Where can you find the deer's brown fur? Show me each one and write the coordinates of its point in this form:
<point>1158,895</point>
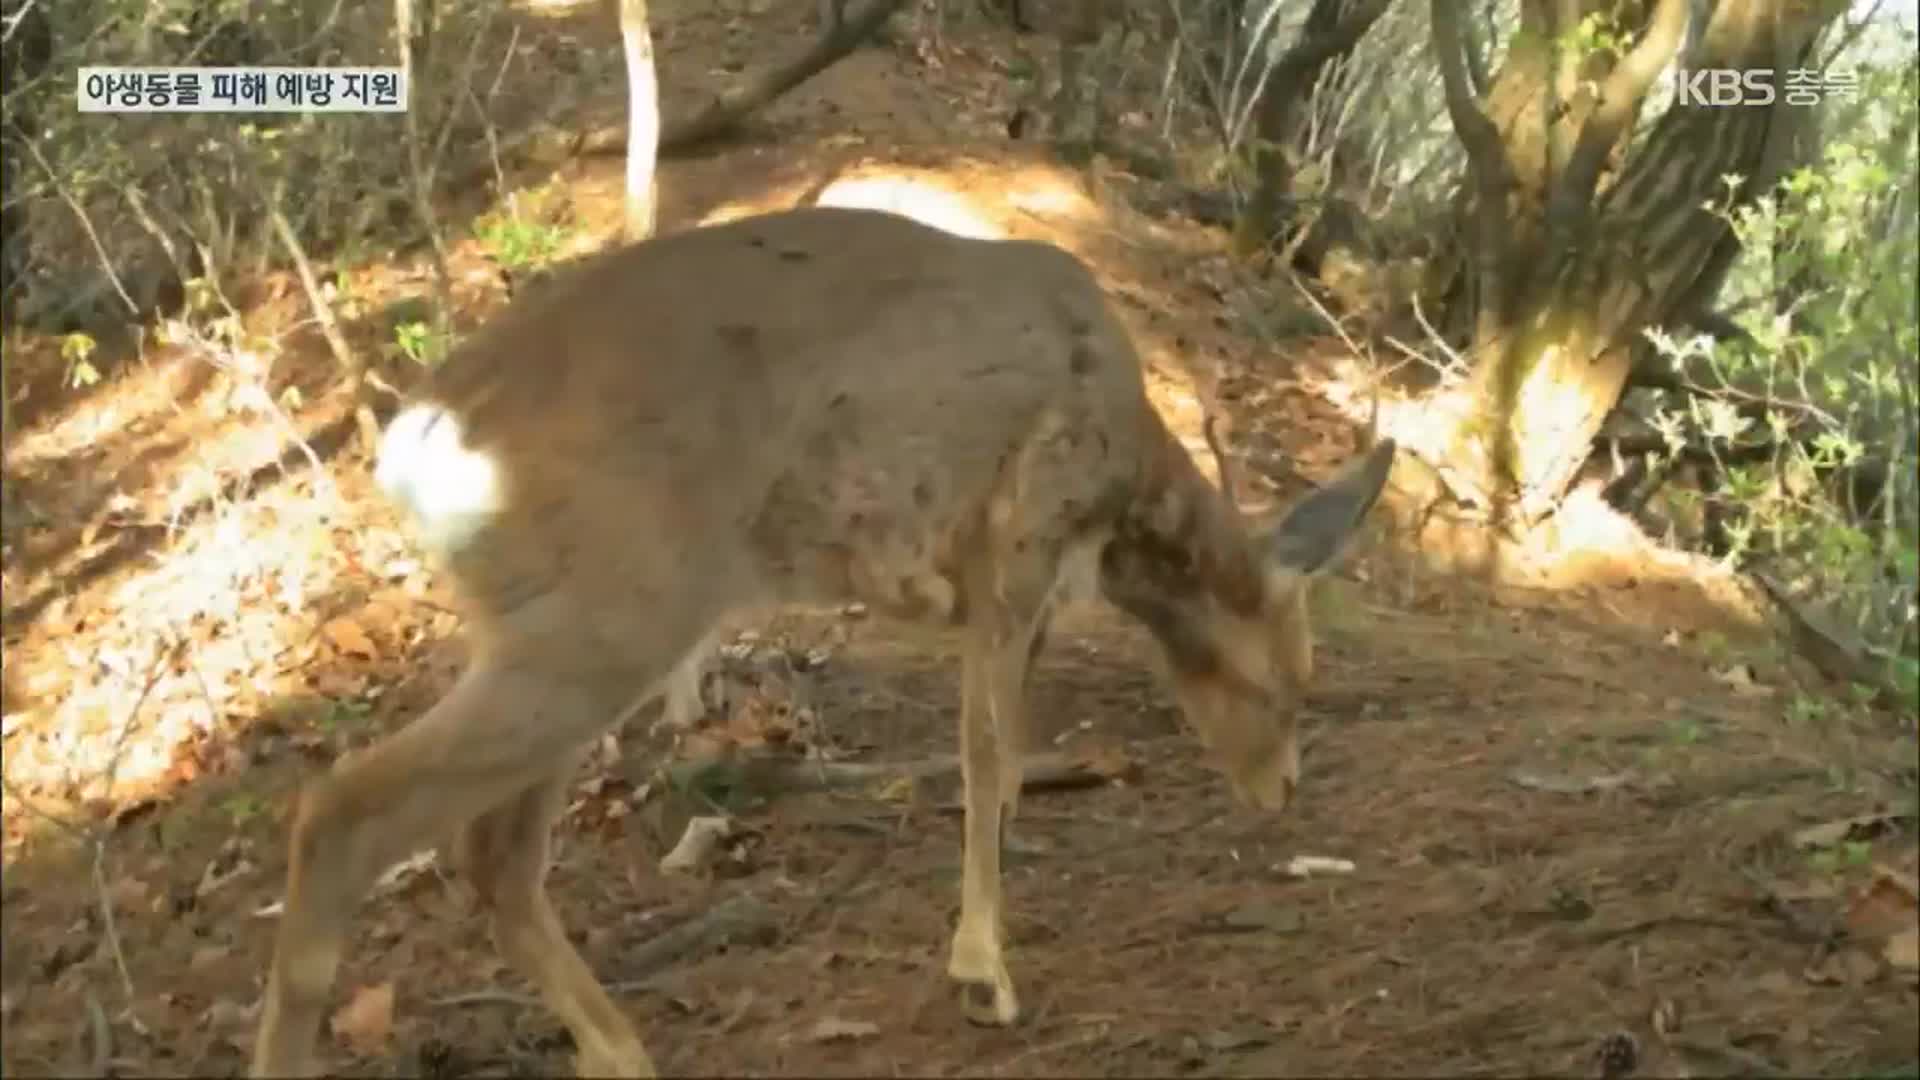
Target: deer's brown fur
<point>808,407</point>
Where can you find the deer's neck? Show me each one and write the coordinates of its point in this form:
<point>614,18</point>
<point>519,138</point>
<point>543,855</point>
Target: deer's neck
<point>1181,535</point>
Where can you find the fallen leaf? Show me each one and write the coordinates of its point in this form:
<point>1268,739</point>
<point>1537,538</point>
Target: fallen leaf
<point>1801,893</point>
<point>834,1029</point>
<point>697,845</point>
<point>207,956</point>
<point>1740,677</point>
<point>366,1020</point>
<point>347,636</point>
<point>229,1017</point>
<point>1884,908</point>
<point>898,789</point>
<point>1665,1018</point>
<point>1908,884</point>
<point>1110,762</point>
<point>399,874</point>
<point>1903,950</point>
<point>1834,833</point>
<point>1848,967</point>
<point>129,892</point>
<point>334,683</point>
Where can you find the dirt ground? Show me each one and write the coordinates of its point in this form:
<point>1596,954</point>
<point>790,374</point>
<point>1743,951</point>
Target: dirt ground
<point>1575,822</point>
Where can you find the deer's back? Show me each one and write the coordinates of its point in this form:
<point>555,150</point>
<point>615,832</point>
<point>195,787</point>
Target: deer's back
<point>804,405</point>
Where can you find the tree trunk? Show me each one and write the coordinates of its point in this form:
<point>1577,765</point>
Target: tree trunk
<point>643,118</point>
<point>1567,280</point>
<point>1077,120</point>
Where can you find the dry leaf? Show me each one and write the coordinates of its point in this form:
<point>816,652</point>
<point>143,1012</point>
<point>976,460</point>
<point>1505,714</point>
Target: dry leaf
<point>1110,762</point>
<point>334,683</point>
<point>1883,909</point>
<point>365,1021</point>
<point>1834,833</point>
<point>1740,678</point>
<point>1802,893</point>
<point>347,636</point>
<point>697,845</point>
<point>129,892</point>
<point>1906,883</point>
<point>1848,967</point>
<point>833,1029</point>
<point>898,789</point>
<point>1665,1019</point>
<point>1903,950</point>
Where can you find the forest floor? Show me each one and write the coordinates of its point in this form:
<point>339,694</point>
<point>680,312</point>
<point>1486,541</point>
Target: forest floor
<point>1603,826</point>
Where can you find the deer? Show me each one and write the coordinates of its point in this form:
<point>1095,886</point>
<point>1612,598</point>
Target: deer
<point>813,406</point>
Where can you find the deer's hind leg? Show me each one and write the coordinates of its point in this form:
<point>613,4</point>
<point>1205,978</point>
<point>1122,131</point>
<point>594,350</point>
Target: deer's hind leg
<point>505,852</point>
<point>489,753</point>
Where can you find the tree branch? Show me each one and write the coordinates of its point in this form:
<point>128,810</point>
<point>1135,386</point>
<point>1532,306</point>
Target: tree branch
<point>1619,102</point>
<point>729,107</point>
<point>1486,156</point>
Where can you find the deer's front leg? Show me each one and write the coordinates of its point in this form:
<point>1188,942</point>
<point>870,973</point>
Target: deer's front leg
<point>994,673</point>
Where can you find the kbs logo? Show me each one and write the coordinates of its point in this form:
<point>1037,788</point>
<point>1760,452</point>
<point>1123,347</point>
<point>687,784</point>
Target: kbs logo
<point>1755,86</point>
<point>1723,86</point>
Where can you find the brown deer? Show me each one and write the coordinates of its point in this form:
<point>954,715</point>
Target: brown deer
<point>808,407</point>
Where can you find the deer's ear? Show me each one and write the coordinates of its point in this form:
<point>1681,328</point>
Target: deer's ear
<point>1317,528</point>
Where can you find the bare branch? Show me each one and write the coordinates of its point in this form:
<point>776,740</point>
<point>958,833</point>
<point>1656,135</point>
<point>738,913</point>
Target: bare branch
<point>1476,131</point>
<point>728,108</point>
<point>1619,102</point>
<point>1229,482</point>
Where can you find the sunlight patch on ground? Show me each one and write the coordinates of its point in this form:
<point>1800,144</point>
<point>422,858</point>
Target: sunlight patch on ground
<point>187,444</point>
<point>972,199</point>
<point>556,9</point>
<point>1587,543</point>
<point>913,197</point>
<point>196,628</point>
<point>212,560</point>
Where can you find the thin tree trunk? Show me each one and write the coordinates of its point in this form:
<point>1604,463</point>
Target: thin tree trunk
<point>643,118</point>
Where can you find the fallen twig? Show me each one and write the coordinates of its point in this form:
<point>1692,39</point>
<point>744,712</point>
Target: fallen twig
<point>489,996</point>
<point>101,1034</point>
<point>1804,930</point>
<point>742,916</point>
<point>1568,785</point>
<point>1747,1063</point>
<point>1841,656</point>
<point>725,110</point>
<point>1040,772</point>
<point>846,876</point>
<point>1609,933</point>
<point>96,836</point>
